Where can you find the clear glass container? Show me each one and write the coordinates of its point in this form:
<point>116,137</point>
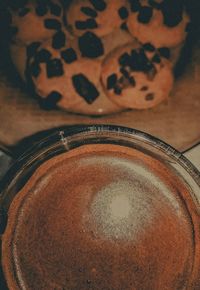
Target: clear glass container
<point>172,161</point>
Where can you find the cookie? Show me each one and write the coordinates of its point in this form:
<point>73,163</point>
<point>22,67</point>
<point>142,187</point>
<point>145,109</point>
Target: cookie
<point>160,22</point>
<point>62,77</point>
<point>137,79</point>
<point>22,53</point>
<point>98,16</point>
<point>101,106</point>
<point>35,20</point>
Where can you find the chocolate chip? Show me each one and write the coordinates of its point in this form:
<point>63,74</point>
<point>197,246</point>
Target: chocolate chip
<point>81,25</point>
<point>132,81</point>
<point>59,40</point>
<point>139,61</point>
<point>69,55</point>
<point>87,24</point>
<point>111,81</point>
<point>52,24</point>
<point>90,45</point>
<point>124,72</point>
<point>85,88</point>
<point>43,56</point>
<point>124,26</point>
<point>145,14</point>
<point>155,4</point>
<point>172,12</point>
<point>89,11</point>
<point>117,90</point>
<point>165,52</point>
<point>50,101</point>
<point>144,88</point>
<point>91,23</point>
<point>149,97</point>
<point>123,12</point>
<point>55,9</point>
<point>99,5</point>
<point>54,68</point>
<point>124,59</point>
<point>41,10</point>
<point>32,49</point>
<point>135,5</point>
<point>156,58</point>
<point>149,47</point>
<point>34,69</point>
<point>22,12</point>
<point>171,21</point>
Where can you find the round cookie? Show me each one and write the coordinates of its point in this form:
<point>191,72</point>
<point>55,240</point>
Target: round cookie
<point>22,53</point>
<point>160,22</point>
<point>133,77</point>
<point>102,105</point>
<point>62,78</point>
<point>98,16</point>
<point>35,20</point>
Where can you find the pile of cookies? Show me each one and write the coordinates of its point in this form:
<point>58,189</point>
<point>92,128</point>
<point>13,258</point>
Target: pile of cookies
<point>97,56</point>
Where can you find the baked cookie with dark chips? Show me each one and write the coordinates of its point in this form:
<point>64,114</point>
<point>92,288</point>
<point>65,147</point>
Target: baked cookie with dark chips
<point>98,56</point>
<point>35,20</point>
<point>98,16</point>
<point>62,77</point>
<point>133,78</point>
<point>160,22</point>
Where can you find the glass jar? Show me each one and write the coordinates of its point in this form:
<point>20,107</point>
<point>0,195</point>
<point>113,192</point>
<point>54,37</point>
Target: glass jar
<point>160,184</point>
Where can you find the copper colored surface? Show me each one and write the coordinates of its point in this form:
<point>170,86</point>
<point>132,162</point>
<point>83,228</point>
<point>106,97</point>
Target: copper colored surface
<point>96,221</point>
